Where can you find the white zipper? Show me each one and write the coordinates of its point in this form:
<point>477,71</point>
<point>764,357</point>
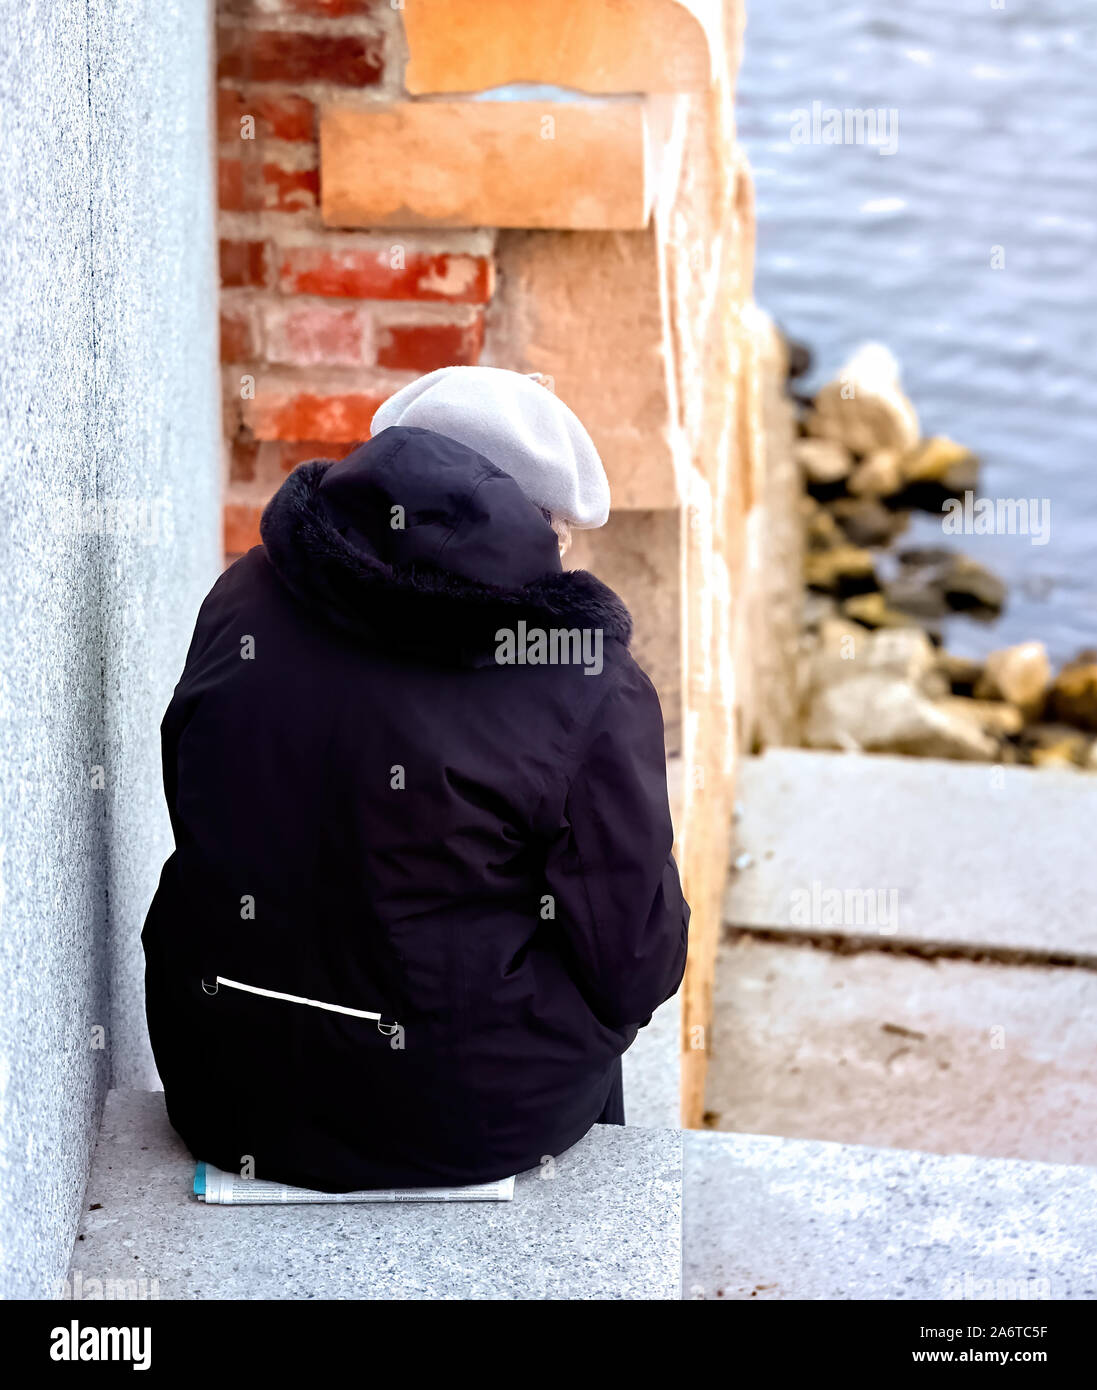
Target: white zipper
<point>290,998</point>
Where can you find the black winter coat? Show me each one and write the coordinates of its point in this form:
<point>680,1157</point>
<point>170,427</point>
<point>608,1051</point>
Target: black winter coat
<point>421,899</point>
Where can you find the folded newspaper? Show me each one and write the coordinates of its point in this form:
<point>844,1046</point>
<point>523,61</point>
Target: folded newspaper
<point>213,1185</point>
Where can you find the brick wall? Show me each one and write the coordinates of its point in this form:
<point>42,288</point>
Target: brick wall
<point>318,325</point>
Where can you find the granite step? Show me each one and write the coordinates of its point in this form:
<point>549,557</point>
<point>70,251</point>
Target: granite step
<point>940,854</point>
<point>801,1219</point>
<point>603,1221</point>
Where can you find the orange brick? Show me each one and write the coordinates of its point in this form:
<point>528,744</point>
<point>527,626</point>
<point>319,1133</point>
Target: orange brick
<point>308,415</point>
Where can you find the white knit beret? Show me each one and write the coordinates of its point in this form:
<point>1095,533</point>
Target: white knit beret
<point>515,423</point>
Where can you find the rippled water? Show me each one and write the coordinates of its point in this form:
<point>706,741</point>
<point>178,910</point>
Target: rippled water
<point>997,147</point>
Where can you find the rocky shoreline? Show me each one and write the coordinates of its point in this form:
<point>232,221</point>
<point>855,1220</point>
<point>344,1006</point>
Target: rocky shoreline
<point>874,674</point>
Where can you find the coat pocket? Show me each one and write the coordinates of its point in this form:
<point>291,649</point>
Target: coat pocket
<point>388,1028</point>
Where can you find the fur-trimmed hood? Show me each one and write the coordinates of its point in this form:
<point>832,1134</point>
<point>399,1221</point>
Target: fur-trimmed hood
<point>416,540</point>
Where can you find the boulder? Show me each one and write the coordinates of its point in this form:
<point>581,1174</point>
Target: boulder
<point>936,471</point>
<point>995,716</point>
<point>934,580</point>
<point>822,531</point>
<point>1073,697</point>
<point>879,475</point>
<point>844,569</point>
<point>961,672</point>
<point>1054,745</point>
<point>873,610</point>
<point>879,712</point>
<point>864,408</point>
<point>866,521</point>
<point>1019,674</point>
<point>845,649</point>
<point>823,461</point>
<point>970,587</point>
<point>916,594</point>
<point>942,461</point>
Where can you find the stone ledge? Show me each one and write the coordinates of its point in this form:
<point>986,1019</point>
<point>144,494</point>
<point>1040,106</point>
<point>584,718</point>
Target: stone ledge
<point>798,1219</point>
<point>940,834</point>
<point>607,1226</point>
<point>569,165</point>
<point>588,45</point>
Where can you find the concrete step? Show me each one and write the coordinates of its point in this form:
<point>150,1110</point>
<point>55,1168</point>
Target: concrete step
<point>797,1219</point>
<point>605,1225</point>
<point>967,855</point>
<point>891,1049</point>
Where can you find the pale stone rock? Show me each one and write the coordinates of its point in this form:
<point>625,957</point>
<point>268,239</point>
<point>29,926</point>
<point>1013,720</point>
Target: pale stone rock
<point>879,712</point>
<point>941,460</point>
<point>835,569</point>
<point>879,475</point>
<point>1019,674</point>
<point>995,716</point>
<point>846,650</point>
<point>873,610</point>
<point>864,407</point>
<point>1074,692</point>
<point>823,460</point>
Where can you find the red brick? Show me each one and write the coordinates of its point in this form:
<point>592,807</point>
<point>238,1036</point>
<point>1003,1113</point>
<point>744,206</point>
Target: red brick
<point>277,55</point>
<point>230,184</point>
<point>238,338</point>
<point>305,415</point>
<point>241,526</point>
<point>248,186</point>
<point>276,117</point>
<point>243,453</point>
<point>352,273</point>
<point>322,9</point>
<point>289,190</point>
<point>243,263</point>
<point>310,335</point>
<point>421,347</point>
